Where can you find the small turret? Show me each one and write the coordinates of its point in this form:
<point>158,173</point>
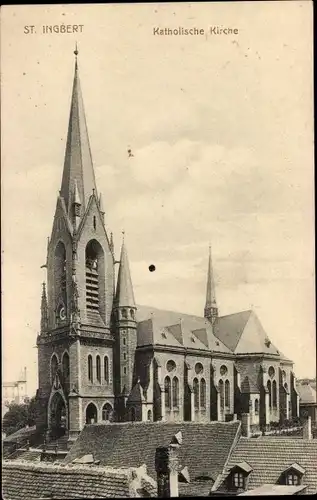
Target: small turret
<point>211,308</point>
<point>44,310</point>
<point>126,335</point>
<point>102,211</point>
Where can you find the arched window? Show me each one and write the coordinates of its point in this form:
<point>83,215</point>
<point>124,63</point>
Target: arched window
<point>149,415</point>
<point>167,385</point>
<point>54,366</point>
<point>124,313</point>
<point>175,389</point>
<point>227,394</point>
<point>94,222</point>
<point>269,386</point>
<point>91,414</point>
<point>256,406</point>
<point>222,394</point>
<point>274,394</point>
<point>132,313</point>
<point>90,375</point>
<point>98,369</point>
<point>107,412</point>
<point>203,393</point>
<point>106,369</point>
<point>94,255</point>
<point>65,367</point>
<point>132,414</point>
<point>196,393</point>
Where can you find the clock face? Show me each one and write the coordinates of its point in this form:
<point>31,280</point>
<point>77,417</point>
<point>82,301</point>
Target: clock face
<point>62,313</point>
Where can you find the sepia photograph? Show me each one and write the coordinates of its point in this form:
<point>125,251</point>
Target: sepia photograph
<point>158,250</point>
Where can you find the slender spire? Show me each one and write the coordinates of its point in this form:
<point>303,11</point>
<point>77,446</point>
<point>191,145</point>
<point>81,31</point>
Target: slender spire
<point>124,293</point>
<point>44,310</point>
<point>211,309</point>
<point>78,164</point>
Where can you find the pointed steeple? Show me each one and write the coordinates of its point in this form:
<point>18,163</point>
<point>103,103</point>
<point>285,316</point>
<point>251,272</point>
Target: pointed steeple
<point>78,166</point>
<point>44,310</point>
<point>124,294</point>
<point>211,309</point>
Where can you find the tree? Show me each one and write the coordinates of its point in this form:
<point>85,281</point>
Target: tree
<point>19,416</point>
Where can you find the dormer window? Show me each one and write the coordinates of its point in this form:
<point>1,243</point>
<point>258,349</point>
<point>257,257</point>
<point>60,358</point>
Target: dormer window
<point>292,476</point>
<point>292,479</point>
<point>238,479</point>
<point>239,475</point>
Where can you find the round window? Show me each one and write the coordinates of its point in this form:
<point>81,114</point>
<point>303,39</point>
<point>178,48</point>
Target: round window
<point>199,368</point>
<point>170,365</point>
<point>271,371</point>
<point>223,370</point>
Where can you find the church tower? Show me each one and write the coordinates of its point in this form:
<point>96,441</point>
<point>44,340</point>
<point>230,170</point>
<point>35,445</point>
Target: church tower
<point>211,308</point>
<point>75,345</point>
<point>126,335</point>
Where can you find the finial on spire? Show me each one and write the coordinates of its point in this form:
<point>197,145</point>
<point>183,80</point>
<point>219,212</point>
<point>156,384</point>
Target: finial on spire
<point>123,233</point>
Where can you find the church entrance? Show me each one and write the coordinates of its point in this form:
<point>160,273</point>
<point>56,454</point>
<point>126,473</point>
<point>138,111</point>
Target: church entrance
<point>91,414</point>
<point>58,416</point>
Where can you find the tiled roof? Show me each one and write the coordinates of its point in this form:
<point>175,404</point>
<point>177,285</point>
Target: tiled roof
<point>196,489</point>
<point>270,457</point>
<point>243,333</point>
<point>204,449</point>
<point>307,393</point>
<point>22,480</point>
<point>178,330</point>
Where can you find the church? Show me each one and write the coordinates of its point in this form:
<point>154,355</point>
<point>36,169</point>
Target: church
<point>101,357</point>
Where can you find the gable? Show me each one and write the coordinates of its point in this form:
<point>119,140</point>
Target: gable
<point>254,338</point>
<point>86,226</point>
<point>61,223</point>
<point>229,328</point>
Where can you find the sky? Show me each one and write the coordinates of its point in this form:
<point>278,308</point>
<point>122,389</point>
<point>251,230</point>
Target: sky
<point>221,131</point>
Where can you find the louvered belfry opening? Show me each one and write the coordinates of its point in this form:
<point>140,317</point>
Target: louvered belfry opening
<point>93,253</point>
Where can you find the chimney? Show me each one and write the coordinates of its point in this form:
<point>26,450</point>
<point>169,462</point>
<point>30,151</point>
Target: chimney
<point>245,425</point>
<point>166,466</point>
<point>307,433</point>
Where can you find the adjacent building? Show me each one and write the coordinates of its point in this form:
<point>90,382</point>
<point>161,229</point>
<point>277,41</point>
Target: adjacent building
<point>14,392</point>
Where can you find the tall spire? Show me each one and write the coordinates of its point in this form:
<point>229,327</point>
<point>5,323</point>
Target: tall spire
<point>211,309</point>
<point>78,164</point>
<point>124,294</point>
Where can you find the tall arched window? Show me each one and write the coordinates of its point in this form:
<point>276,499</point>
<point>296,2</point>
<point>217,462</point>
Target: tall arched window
<point>222,394</point>
<point>175,390</point>
<point>167,386</point>
<point>106,369</point>
<point>54,366</point>
<point>98,368</point>
<point>107,412</point>
<point>196,393</point>
<point>149,415</point>
<point>203,393</point>
<point>65,367</point>
<point>269,386</point>
<point>256,406</point>
<point>227,394</point>
<point>90,374</point>
<point>274,394</point>
<point>94,255</point>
